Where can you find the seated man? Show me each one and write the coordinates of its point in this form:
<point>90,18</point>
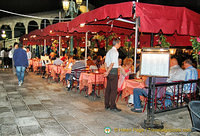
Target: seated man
<point>137,92</point>
<point>190,74</point>
<point>75,72</point>
<point>176,74</point>
<point>58,61</point>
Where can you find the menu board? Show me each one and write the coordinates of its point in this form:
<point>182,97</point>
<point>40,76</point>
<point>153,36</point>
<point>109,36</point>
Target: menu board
<point>155,64</point>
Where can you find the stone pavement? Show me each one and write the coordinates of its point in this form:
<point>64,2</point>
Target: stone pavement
<point>40,108</point>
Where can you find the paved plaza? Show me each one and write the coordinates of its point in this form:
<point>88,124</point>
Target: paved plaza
<point>45,108</point>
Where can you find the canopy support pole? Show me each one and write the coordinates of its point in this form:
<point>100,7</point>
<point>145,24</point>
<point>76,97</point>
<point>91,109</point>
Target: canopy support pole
<point>136,42</point>
<point>87,5</point>
<point>152,39</point>
<point>86,42</point>
<point>45,42</point>
<point>59,45</point>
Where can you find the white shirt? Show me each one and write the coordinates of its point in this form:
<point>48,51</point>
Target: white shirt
<point>11,52</point>
<point>28,55</point>
<point>2,53</point>
<point>176,74</point>
<point>112,57</point>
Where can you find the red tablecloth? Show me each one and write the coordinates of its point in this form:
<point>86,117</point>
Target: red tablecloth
<point>30,62</point>
<point>128,86</point>
<point>88,79</point>
<point>36,64</point>
<point>64,72</point>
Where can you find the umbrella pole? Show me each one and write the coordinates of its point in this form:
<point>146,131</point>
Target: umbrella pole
<point>136,43</point>
<point>59,44</point>
<point>45,42</point>
<point>86,41</point>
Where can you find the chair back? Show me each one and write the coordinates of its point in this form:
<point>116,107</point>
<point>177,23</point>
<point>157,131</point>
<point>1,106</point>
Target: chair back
<point>195,114</point>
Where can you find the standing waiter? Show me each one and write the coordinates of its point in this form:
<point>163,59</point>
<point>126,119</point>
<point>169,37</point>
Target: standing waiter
<point>111,65</point>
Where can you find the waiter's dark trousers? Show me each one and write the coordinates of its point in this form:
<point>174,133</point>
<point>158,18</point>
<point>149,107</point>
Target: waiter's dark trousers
<point>111,91</point>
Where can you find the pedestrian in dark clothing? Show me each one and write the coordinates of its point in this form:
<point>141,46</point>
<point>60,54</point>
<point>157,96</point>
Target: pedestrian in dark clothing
<point>20,62</point>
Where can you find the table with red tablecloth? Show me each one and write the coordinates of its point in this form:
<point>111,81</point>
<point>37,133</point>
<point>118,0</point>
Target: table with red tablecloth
<point>128,86</point>
<point>30,62</point>
<point>63,72</point>
<point>88,79</point>
<point>36,65</point>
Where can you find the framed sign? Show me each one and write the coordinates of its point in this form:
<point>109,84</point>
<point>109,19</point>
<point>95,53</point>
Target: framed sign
<point>155,64</point>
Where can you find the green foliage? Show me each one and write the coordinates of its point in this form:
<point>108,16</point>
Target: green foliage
<point>78,51</point>
<point>196,49</point>
<point>162,41</point>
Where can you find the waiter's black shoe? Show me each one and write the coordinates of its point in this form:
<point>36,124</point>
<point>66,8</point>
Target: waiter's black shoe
<point>116,109</point>
<point>107,107</point>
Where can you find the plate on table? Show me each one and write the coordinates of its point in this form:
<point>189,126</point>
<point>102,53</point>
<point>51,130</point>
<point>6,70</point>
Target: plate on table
<point>138,80</point>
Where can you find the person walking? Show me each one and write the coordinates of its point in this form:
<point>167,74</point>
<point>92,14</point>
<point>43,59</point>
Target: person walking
<point>28,54</point>
<point>111,66</point>
<point>10,54</point>
<point>20,62</point>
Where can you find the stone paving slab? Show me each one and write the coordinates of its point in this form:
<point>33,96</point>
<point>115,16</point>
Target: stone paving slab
<point>23,113</point>
<point>26,121</point>
<point>31,130</point>
<point>40,108</point>
<point>56,131</point>
<point>10,130</point>
<point>41,114</point>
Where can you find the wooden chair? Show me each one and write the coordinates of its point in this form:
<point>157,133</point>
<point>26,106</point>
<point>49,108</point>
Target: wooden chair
<point>98,86</point>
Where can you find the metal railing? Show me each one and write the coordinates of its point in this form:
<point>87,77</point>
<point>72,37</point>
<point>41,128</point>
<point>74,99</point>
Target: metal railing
<point>171,96</point>
<point>163,97</point>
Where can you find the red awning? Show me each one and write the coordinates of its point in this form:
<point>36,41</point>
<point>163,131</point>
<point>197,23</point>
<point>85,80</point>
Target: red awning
<point>58,29</point>
<point>153,19</point>
<point>111,11</point>
<point>168,19</point>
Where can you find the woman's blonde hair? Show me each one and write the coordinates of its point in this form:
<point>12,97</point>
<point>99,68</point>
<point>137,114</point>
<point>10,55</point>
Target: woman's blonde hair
<point>127,61</point>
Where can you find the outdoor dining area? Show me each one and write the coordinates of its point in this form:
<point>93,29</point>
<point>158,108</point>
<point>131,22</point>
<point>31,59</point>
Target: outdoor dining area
<point>73,53</point>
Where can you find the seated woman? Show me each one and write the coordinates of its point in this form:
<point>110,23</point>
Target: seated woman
<point>125,71</point>
<point>76,69</point>
<point>66,73</point>
<point>92,66</point>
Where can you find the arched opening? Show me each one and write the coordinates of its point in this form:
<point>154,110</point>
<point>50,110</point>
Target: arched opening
<point>32,25</point>
<point>44,23</point>
<point>56,20</point>
<point>19,30</point>
<point>7,30</point>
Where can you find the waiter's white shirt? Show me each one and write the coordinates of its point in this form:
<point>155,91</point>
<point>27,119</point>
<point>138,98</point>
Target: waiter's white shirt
<point>112,57</point>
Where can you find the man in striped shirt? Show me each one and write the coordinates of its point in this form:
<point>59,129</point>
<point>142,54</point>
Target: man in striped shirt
<point>75,73</point>
<point>190,74</point>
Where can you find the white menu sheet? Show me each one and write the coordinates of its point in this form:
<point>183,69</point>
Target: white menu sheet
<point>155,64</point>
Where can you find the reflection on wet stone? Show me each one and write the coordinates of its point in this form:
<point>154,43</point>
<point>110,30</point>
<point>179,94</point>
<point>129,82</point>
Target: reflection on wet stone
<point>20,108</point>
<point>4,109</point>
<point>36,107</point>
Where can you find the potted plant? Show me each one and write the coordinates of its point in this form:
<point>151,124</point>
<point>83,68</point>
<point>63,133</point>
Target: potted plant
<point>196,51</point>
<point>162,41</point>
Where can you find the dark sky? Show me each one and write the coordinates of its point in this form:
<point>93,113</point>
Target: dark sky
<point>32,6</point>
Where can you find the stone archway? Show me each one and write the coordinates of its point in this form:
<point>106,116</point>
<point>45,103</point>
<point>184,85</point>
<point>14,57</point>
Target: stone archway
<point>44,23</point>
<point>32,25</point>
<point>19,30</point>
<point>7,30</point>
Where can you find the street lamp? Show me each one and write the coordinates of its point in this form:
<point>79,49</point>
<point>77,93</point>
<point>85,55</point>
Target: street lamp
<point>70,8</point>
<point>3,35</point>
